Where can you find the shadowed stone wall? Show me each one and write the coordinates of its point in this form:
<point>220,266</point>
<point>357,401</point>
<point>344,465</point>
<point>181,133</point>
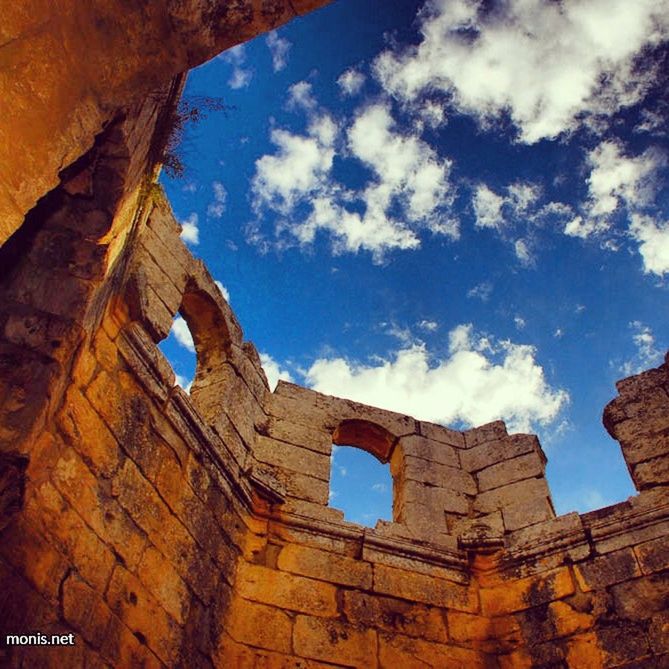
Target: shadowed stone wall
<point>167,529</point>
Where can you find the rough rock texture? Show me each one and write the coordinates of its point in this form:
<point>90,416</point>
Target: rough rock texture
<point>67,68</point>
<point>167,529</point>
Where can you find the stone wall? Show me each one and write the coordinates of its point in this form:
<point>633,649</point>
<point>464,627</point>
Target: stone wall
<point>68,68</point>
<point>174,529</point>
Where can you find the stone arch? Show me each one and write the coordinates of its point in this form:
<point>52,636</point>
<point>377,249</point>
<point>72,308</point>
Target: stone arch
<point>367,436</point>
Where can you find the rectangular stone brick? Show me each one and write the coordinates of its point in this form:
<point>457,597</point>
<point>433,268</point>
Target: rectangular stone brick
<point>641,598</point>
<point>396,650</point>
<point>330,567</point>
<point>135,606</point>
<point>443,435</point>
<point>259,625</point>
<point>334,641</point>
<point>494,431</point>
<point>423,588</point>
<point>304,436</point>
<point>284,590</point>
<point>433,474</point>
<point>85,610</point>
<point>395,615</point>
<point>481,456</point>
<point>651,473</point>
<point>518,595</point>
<point>303,486</point>
<point>552,530</point>
<point>289,456</point>
<point>429,449</point>
<point>653,556</point>
<point>500,633</point>
<point>392,557</point>
<point>600,572</point>
<point>518,516</point>
<point>523,467</point>
<point>529,492</point>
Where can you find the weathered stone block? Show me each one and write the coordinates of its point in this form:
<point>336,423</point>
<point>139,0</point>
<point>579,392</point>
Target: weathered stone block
<point>653,556</point>
<point>428,449</point>
<point>334,641</point>
<point>640,598</point>
<point>443,435</point>
<point>518,516</point>
<point>494,431</point>
<point>525,593</point>
<point>422,588</point>
<point>285,590</point>
<point>259,625</point>
<point>606,570</point>
<point>394,615</point>
<point>523,467</point>
<point>529,492</point>
<point>652,473</point>
<point>289,456</point>
<point>329,567</point>
<point>481,456</point>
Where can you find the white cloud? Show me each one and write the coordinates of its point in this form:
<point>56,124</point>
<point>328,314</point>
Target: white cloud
<point>409,188</point>
<point>380,487</point>
<point>480,381</point>
<point>428,326</point>
<point>223,289</point>
<point>301,96</point>
<point>647,353</point>
<point>523,253</point>
<point>653,238</point>
<point>481,291</point>
<point>273,371</point>
<point>182,334</point>
<point>190,232</point>
<point>216,208</point>
<point>519,322</point>
<point>351,82</point>
<point>549,65</point>
<point>279,48</point>
<point>487,208</point>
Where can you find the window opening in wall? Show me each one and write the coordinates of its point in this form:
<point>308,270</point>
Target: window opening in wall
<point>179,349</point>
<point>360,486</point>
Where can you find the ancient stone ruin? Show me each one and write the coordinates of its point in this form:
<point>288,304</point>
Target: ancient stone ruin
<point>166,529</point>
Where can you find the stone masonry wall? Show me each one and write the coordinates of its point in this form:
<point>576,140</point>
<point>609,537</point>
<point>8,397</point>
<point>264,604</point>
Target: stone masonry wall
<point>177,530</point>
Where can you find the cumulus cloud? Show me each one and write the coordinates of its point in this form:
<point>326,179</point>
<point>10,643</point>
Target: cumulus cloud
<point>182,334</point>
<point>409,187</point>
<point>216,207</point>
<point>549,65</point>
<point>653,238</point>
<point>487,208</point>
<point>273,371</point>
<point>351,82</point>
<point>279,48</point>
<point>480,380</point>
<point>428,326</point>
<point>190,232</point>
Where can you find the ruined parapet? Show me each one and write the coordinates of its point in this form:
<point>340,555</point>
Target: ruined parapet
<point>173,529</point>
<point>639,419</point>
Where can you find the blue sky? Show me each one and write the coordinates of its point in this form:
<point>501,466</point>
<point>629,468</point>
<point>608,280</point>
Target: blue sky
<point>457,210</point>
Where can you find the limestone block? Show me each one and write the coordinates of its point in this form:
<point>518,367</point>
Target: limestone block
<point>164,583</point>
<point>523,467</point>
<point>325,566</point>
<point>529,492</point>
<point>294,458</point>
<point>547,533</point>
<point>396,650</point>
<point>134,605</point>
<point>395,616</point>
<point>622,643</point>
<point>441,434</point>
<point>285,590</point>
<point>334,641</point>
<point>283,429</point>
<point>432,474</point>
<point>422,588</point>
<point>435,500</point>
<point>652,473</point>
<point>606,570</point>
<point>639,599</point>
<point>495,431</point>
<point>518,516</point>
<point>85,610</point>
<point>518,595</point>
<point>303,487</point>
<point>259,625</point>
<point>490,634</point>
<point>487,454</point>
<point>658,633</point>
<point>429,561</point>
<point>653,556</point>
<point>428,449</point>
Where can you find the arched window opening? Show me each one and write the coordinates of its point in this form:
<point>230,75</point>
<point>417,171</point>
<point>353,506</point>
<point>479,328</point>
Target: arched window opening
<point>360,486</point>
<point>179,349</point>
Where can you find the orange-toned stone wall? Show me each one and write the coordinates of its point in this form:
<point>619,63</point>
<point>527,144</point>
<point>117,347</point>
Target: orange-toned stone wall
<point>168,529</point>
